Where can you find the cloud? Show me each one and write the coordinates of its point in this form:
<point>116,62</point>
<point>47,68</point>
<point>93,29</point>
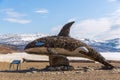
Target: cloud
<point>90,28</point>
<point>56,30</point>
<point>12,13</point>
<point>42,11</point>
<point>96,28</point>
<point>15,17</point>
<point>14,20</point>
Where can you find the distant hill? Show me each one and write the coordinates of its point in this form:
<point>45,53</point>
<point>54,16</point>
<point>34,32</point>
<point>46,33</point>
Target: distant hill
<point>19,41</point>
<point>4,49</point>
<point>112,45</point>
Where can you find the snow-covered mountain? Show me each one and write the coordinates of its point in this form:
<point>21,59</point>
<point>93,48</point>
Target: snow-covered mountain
<point>20,40</point>
<point>112,45</point>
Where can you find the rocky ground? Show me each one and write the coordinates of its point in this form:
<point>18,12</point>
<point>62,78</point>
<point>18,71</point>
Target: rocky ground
<point>83,71</point>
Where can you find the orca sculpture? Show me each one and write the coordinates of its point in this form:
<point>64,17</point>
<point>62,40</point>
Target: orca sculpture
<point>60,46</point>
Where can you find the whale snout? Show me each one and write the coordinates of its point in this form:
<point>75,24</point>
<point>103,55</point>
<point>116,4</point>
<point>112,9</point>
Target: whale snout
<point>37,50</point>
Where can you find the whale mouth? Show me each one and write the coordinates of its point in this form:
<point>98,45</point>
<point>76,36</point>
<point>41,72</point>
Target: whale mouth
<point>56,51</point>
<point>37,51</point>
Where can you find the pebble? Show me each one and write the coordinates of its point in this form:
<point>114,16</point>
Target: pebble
<point>116,71</point>
<point>34,72</point>
<point>87,69</point>
<point>79,72</point>
<point>28,73</point>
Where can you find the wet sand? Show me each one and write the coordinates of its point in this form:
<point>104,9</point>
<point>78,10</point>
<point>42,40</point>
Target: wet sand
<point>83,71</point>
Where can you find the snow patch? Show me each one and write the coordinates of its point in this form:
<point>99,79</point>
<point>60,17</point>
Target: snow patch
<point>18,56</point>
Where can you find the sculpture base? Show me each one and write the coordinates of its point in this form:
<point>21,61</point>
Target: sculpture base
<point>58,63</point>
<point>59,68</point>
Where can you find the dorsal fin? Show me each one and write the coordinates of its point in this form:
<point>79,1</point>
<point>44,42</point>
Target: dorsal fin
<point>66,29</point>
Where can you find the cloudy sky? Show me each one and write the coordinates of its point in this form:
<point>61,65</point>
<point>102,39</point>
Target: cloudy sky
<point>94,19</point>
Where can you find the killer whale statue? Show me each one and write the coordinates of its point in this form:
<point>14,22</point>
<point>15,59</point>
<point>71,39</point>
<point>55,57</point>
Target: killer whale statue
<point>60,46</point>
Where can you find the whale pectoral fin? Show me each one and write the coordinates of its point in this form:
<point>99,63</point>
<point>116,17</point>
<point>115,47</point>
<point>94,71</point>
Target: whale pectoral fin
<point>51,51</point>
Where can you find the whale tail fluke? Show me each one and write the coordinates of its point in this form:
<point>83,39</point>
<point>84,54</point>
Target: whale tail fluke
<point>107,65</point>
<point>96,56</point>
<point>102,60</point>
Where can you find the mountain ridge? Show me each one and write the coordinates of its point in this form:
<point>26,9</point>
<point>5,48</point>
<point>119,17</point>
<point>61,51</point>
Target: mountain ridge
<point>21,40</point>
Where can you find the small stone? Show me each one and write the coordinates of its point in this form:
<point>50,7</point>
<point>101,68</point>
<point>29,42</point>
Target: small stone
<point>91,69</point>
<point>116,71</point>
<point>79,72</point>
<point>28,73</point>
<point>87,69</point>
<point>34,71</point>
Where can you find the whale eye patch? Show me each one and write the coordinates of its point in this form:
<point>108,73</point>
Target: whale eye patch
<point>39,43</point>
<point>82,48</point>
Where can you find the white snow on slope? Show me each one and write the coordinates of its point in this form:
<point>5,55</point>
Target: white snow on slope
<point>18,56</point>
<point>112,56</point>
